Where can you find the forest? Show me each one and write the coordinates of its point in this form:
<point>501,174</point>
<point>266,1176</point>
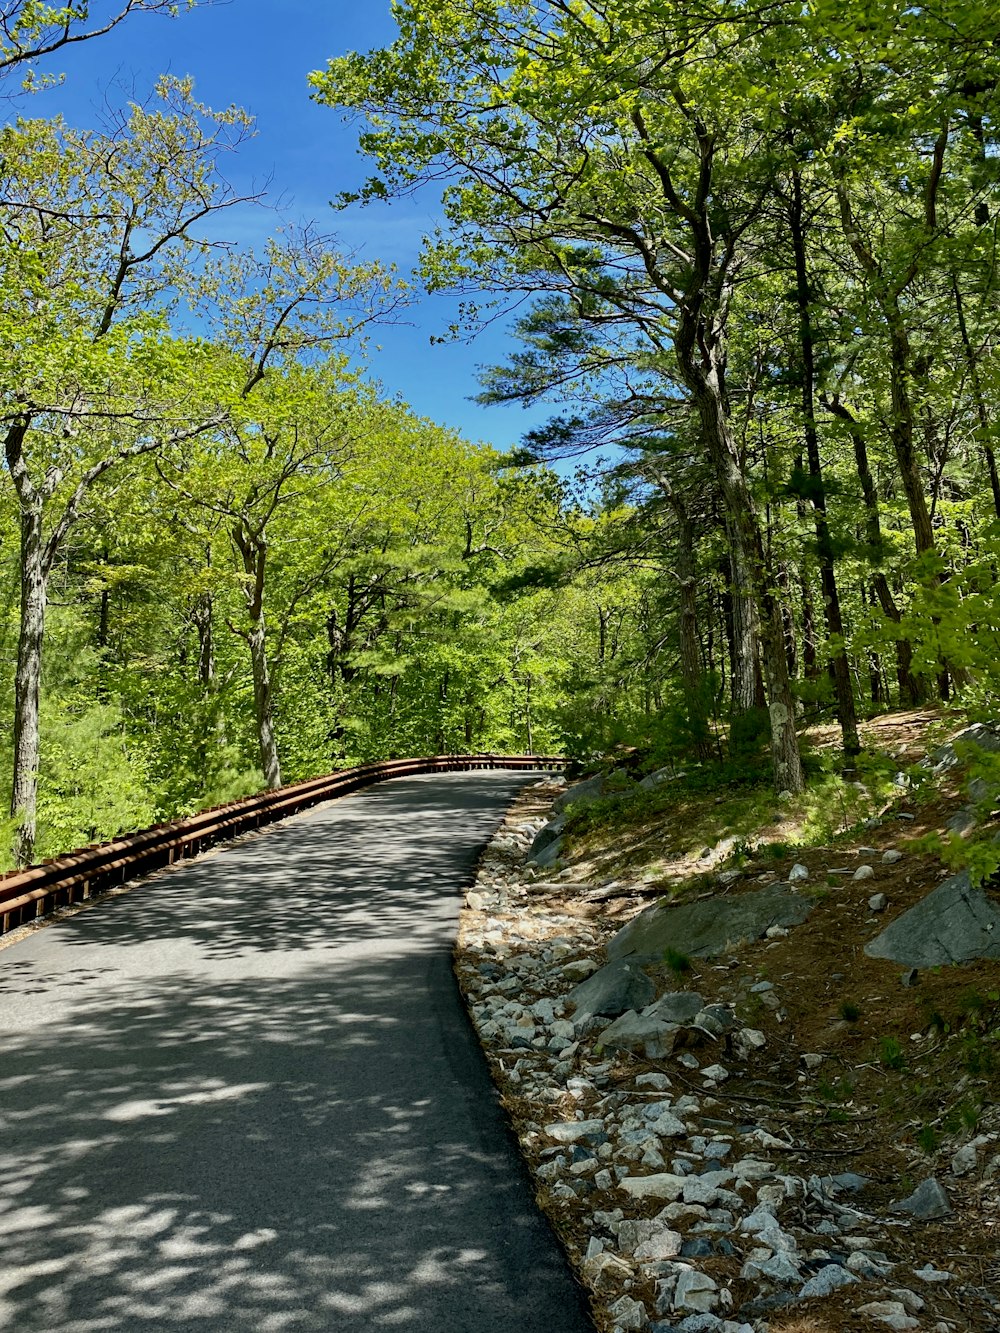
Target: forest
<point>753,251</point>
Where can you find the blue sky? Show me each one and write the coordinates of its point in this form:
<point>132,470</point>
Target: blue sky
<point>257,54</point>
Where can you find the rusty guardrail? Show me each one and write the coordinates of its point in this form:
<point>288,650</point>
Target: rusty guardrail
<point>28,894</point>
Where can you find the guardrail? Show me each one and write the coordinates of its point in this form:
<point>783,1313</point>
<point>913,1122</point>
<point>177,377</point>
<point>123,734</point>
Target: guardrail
<point>28,894</point>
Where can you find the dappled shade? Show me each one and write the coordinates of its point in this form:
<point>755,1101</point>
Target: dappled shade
<point>244,1096</point>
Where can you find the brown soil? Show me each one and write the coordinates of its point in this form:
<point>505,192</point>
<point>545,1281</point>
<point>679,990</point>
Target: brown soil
<point>908,1071</point>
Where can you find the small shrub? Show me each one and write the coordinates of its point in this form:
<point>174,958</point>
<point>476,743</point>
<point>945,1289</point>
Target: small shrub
<point>679,963</point>
<point>849,1011</point>
<point>928,1140</point>
<point>891,1054</point>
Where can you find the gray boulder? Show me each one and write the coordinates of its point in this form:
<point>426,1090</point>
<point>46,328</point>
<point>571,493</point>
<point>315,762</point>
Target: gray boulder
<point>827,1281</point>
<point>678,1007</point>
<point>647,1036</point>
<point>955,923</point>
<point>611,990</point>
<point>706,928</point>
<point>927,1202</point>
<point>547,855</point>
<point>984,736</point>
<point>546,835</point>
<point>600,787</point>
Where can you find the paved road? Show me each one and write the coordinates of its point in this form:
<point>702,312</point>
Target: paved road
<point>245,1096</point>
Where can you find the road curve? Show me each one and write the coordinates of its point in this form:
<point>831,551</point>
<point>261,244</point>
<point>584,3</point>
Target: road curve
<point>246,1097</point>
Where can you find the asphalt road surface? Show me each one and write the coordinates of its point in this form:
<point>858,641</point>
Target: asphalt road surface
<point>245,1095</point>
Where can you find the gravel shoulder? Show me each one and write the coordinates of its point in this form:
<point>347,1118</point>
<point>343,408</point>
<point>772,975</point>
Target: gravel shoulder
<point>788,1153</point>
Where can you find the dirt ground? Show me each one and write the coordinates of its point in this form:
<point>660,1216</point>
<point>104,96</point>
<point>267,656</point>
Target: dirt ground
<point>902,1070</point>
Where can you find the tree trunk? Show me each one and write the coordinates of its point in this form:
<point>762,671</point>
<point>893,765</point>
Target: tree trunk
<point>34,580</point>
<point>253,551</point>
<point>978,397</point>
<point>911,689</point>
<point>263,704</point>
<point>692,680</point>
<point>705,382</point>
<point>843,688</point>
<point>810,651</point>
<point>744,640</point>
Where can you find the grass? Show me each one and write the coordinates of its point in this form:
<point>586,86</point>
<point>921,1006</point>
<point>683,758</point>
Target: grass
<point>679,963</point>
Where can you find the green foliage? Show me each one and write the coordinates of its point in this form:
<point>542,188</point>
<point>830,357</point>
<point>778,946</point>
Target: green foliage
<point>849,1011</point>
<point>678,963</point>
<point>928,1140</point>
<point>749,734</point>
<point>890,1054</point>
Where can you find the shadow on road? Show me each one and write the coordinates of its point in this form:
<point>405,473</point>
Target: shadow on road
<point>194,1139</point>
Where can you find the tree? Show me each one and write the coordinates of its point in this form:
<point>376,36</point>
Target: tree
<point>98,239</point>
<point>618,153</point>
<point>30,30</point>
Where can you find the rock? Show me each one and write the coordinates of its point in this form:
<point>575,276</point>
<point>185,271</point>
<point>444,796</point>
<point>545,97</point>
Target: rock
<point>778,1268</point>
<point>629,1314</point>
<point>663,1185</point>
<point>863,872</point>
<point>715,1018</point>
<point>707,1323</point>
<point>545,836</point>
<point>577,1131</point>
<point>965,1159</point>
<point>828,1280</point>
<point>676,1007</point>
<point>955,923</point>
<point>890,857</point>
<point>927,1202</point>
<point>715,1073</point>
<point>931,1275</point>
<point>647,1036</point>
<point>663,1244</point>
<point>610,991</point>
<point>888,1312</point>
<point>798,873</point>
<point>605,1272</point>
<point>549,855</point>
<point>752,1168</point>
<point>776,933</point>
<point>704,1189</point>
<point>695,1291</point>
<point>962,822</point>
<point>598,788</point>
<point>748,1040</point>
<point>656,779</point>
<point>579,970</point>
<point>982,735</point>
<point>979,790</point>
<point>811,1060</point>
<point>912,1303</point>
<point>705,928</point>
<point>658,1082</point>
<point>878,902</point>
<point>668,1126</point>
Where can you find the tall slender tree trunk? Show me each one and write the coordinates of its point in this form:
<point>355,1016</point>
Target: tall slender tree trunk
<point>692,679</point>
<point>978,397</point>
<point>28,680</point>
<point>911,689</point>
<point>703,370</point>
<point>263,703</point>
<point>744,639</point>
<point>253,552</point>
<point>843,688</point>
